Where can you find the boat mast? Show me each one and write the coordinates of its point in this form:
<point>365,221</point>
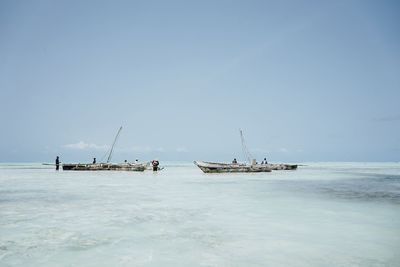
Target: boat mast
<point>246,152</point>
<point>112,147</point>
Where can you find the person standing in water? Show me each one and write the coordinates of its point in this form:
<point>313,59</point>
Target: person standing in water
<point>155,164</point>
<point>57,163</point>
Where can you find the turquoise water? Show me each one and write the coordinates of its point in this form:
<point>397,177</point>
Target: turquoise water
<point>323,214</point>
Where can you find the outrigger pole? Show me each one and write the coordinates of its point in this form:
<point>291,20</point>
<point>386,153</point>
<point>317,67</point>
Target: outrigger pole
<point>112,147</point>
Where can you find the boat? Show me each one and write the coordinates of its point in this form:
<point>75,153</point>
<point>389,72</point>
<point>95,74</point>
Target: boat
<point>215,167</point>
<point>251,166</point>
<point>281,166</point>
<point>107,166</point>
<point>104,167</point>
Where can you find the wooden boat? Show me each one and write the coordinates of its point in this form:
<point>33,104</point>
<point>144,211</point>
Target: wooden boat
<point>277,167</point>
<point>105,167</point>
<point>214,167</point>
<point>252,166</point>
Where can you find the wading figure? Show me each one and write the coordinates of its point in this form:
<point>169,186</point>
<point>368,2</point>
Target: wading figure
<point>155,164</point>
<point>57,163</point>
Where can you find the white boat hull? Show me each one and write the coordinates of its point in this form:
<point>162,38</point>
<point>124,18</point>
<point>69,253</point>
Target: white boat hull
<point>214,167</point>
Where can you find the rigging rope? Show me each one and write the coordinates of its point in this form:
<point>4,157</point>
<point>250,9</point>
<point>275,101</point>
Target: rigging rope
<point>112,147</point>
<point>246,152</point>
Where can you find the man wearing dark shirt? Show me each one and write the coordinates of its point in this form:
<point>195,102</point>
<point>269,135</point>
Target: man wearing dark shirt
<point>57,163</point>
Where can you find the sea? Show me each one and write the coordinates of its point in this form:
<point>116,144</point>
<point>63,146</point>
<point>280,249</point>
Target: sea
<point>322,214</point>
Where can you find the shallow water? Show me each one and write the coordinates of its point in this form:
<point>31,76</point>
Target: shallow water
<point>323,214</point>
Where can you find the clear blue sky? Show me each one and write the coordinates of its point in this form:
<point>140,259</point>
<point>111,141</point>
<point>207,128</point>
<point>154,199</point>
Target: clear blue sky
<point>305,80</point>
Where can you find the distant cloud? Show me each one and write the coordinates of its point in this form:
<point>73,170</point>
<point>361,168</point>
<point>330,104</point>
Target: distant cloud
<point>181,150</point>
<point>159,149</point>
<point>275,150</point>
<point>150,149</point>
<point>259,150</point>
<point>81,145</point>
<point>141,149</point>
<point>283,150</point>
<point>387,118</point>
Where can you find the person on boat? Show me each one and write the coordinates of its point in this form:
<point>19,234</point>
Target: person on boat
<point>155,164</point>
<point>136,161</point>
<point>234,161</point>
<point>264,161</point>
<point>57,163</point>
<point>125,161</point>
<point>94,160</point>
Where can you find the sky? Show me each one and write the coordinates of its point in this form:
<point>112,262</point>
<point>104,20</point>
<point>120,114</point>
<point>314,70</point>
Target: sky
<point>305,80</point>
